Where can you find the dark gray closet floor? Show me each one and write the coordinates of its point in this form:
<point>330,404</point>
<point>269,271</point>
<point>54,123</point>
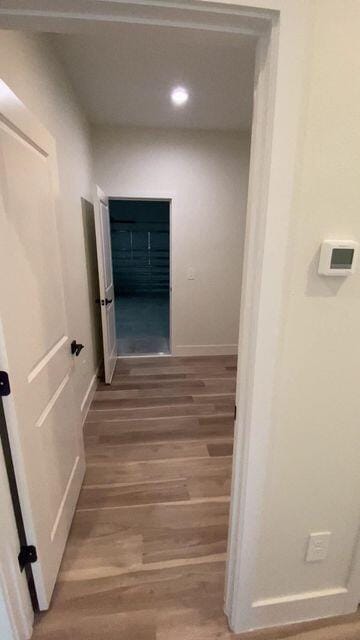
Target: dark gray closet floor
<point>142,324</point>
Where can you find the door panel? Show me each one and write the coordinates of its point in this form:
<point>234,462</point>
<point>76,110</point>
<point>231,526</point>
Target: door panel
<point>16,615</point>
<point>106,283</point>
<point>41,414</point>
<point>108,271</point>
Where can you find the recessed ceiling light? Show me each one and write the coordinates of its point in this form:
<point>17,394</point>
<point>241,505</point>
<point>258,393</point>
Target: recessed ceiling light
<point>179,96</point>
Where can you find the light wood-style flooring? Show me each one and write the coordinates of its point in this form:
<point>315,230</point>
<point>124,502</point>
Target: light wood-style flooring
<point>145,559</point>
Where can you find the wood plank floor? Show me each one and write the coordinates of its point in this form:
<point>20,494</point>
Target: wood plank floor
<point>145,559</point>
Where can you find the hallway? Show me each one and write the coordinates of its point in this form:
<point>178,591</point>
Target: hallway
<point>145,559</point>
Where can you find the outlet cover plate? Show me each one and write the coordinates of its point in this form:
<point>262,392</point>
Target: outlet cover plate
<point>318,546</point>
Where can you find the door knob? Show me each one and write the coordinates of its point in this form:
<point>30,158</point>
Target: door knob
<point>76,347</point>
<point>103,302</point>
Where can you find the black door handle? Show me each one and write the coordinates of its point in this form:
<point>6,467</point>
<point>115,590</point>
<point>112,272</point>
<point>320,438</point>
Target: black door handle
<point>76,347</point>
<point>103,302</point>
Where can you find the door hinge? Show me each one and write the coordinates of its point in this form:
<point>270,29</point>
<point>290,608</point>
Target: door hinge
<point>4,384</point>
<point>27,555</point>
<point>235,412</point>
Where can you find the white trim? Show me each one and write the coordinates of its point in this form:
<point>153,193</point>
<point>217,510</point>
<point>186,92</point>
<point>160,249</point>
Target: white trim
<point>301,607</point>
<point>299,597</point>
<point>205,350</point>
<point>249,477</point>
<point>242,19</point>
<point>353,583</point>
<point>102,19</point>
<point>88,396</point>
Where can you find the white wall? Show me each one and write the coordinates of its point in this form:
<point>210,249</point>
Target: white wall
<point>30,68</point>
<point>314,472</point>
<point>310,477</point>
<point>207,174</point>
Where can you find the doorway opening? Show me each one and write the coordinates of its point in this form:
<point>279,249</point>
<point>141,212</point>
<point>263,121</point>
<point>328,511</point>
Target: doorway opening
<point>140,243</point>
<point>176,435</point>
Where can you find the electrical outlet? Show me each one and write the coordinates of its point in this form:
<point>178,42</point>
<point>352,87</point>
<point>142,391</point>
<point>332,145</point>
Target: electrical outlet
<point>318,546</point>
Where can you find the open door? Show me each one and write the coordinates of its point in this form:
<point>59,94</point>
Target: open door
<point>106,282</point>
<point>43,422</point>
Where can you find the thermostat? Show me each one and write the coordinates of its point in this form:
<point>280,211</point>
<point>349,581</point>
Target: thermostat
<point>338,257</point>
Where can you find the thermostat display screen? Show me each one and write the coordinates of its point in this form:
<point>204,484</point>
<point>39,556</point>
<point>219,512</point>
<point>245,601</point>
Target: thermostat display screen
<point>338,257</point>
<point>341,258</point>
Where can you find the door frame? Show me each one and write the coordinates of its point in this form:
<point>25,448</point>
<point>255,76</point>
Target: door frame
<point>161,197</point>
<point>277,110</point>
<point>255,358</point>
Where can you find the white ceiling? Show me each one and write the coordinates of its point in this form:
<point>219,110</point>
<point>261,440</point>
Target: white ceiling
<point>124,77</point>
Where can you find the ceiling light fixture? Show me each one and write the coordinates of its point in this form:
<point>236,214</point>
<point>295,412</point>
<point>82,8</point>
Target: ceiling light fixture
<point>179,96</point>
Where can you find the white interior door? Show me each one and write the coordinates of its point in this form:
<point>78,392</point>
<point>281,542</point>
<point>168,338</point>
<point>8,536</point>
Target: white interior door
<point>106,282</point>
<point>43,424</point>
<point>16,615</point>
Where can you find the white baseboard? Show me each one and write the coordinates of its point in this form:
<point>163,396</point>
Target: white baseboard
<point>205,350</point>
<point>89,394</point>
<point>310,605</point>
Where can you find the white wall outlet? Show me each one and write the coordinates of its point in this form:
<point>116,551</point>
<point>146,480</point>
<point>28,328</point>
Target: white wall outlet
<point>191,273</point>
<point>318,546</point>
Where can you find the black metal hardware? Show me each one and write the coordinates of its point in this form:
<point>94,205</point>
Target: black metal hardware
<point>27,555</point>
<point>76,347</point>
<point>235,412</point>
<point>103,302</point>
<point>4,384</point>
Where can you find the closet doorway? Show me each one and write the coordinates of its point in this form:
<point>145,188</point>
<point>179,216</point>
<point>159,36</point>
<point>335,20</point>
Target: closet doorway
<point>140,242</point>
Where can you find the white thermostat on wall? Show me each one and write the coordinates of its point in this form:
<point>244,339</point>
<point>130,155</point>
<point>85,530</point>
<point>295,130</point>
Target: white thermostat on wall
<point>338,257</point>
